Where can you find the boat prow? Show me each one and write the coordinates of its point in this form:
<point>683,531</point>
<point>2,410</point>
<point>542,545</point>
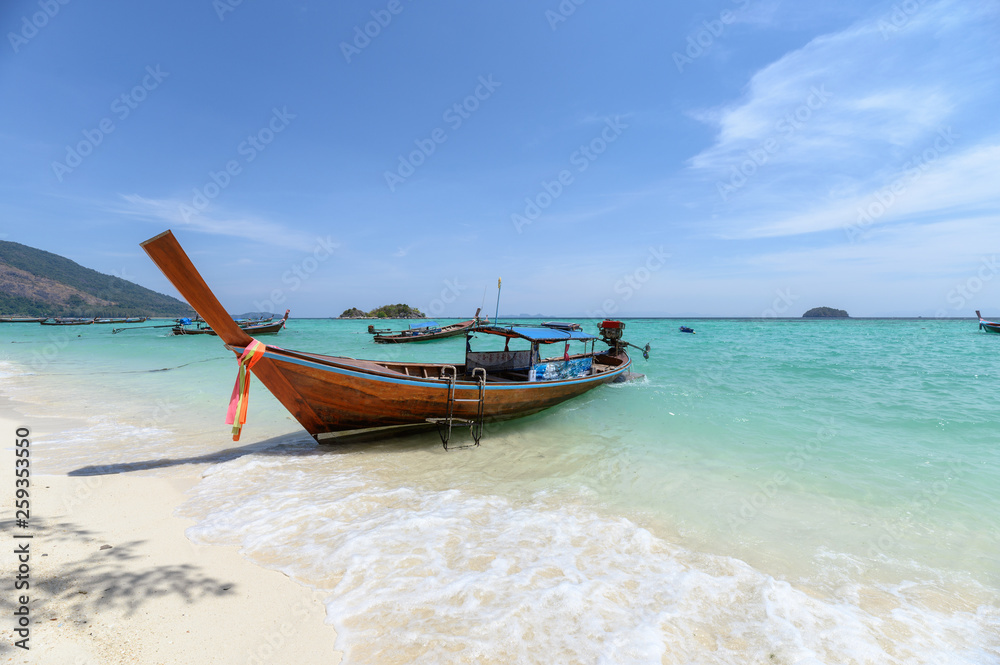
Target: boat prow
<point>988,326</point>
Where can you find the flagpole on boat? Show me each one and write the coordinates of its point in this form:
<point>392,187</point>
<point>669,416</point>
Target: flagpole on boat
<point>496,315</point>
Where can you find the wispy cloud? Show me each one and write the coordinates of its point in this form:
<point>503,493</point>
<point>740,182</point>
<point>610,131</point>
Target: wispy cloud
<point>962,184</point>
<point>821,130</point>
<point>934,249</point>
<point>169,212</point>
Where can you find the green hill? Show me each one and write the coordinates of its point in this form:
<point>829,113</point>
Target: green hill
<point>34,282</point>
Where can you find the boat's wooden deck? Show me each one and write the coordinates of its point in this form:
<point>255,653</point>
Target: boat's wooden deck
<point>435,371</point>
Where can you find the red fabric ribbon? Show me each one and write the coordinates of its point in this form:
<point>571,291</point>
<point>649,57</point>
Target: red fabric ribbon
<point>237,413</point>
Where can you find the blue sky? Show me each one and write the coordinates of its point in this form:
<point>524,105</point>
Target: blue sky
<point>747,158</point>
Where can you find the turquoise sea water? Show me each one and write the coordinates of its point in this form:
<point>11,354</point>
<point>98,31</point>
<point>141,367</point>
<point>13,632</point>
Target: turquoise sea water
<point>775,491</point>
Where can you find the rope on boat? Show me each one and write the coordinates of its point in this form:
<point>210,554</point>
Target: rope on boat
<point>240,400</point>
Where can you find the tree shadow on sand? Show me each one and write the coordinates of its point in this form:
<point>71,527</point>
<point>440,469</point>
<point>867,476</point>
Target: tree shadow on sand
<point>108,578</point>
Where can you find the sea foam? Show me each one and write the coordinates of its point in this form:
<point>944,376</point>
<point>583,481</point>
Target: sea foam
<point>451,576</point>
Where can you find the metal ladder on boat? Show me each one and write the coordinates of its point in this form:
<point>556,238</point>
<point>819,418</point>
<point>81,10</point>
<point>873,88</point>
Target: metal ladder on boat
<point>475,425</point>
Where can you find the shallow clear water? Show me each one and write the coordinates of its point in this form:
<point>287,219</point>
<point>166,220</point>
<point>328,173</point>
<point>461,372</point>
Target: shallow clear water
<point>774,491</point>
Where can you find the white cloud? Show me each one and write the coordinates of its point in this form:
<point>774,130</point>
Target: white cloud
<point>825,128</point>
<point>172,213</point>
<point>965,182</point>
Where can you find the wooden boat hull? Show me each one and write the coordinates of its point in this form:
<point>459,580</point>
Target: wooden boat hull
<point>66,323</point>
<point>452,330</point>
<point>191,331</point>
<point>267,329</point>
<point>353,395</point>
<point>19,319</point>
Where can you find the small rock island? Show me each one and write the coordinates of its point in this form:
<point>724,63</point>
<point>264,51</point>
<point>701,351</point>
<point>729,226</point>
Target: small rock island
<point>398,311</point>
<point>825,313</point>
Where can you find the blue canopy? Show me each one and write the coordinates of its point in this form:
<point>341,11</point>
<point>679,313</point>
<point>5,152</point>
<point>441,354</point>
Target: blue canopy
<point>426,324</point>
<point>537,334</point>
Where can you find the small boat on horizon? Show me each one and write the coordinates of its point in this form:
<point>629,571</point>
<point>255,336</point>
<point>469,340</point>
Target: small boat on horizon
<point>988,326</point>
<point>425,331</point>
<point>685,329</point>
<point>333,396</point>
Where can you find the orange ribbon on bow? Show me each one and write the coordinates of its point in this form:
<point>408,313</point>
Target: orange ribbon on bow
<point>237,413</point>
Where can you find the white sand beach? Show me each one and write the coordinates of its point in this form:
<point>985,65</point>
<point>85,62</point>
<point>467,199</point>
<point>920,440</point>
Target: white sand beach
<point>152,596</point>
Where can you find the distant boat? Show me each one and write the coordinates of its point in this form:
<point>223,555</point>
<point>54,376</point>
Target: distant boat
<point>424,331</point>
<point>23,319</point>
<point>134,319</point>
<point>685,329</point>
<point>255,320</point>
<point>263,327</point>
<point>67,322</point>
<point>562,325</point>
<point>331,395</point>
<point>988,326</point>
<point>258,328</point>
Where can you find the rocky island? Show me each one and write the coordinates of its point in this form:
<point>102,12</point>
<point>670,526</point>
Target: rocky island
<point>825,313</point>
<point>398,311</point>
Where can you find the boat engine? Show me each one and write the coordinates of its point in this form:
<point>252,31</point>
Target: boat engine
<point>611,332</point>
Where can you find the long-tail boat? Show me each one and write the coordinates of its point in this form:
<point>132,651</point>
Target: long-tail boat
<point>67,322</point>
<point>260,328</point>
<point>136,319</point>
<point>181,327</point>
<point>264,327</point>
<point>23,319</point>
<point>988,326</point>
<point>332,395</point>
<point>425,331</point>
